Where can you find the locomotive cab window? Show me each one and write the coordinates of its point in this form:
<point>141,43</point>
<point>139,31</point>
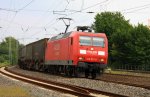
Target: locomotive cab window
<point>91,41</point>
<point>98,41</point>
<point>85,40</point>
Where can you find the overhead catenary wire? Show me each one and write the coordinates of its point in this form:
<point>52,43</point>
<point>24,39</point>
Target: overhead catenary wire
<point>5,9</point>
<point>82,5</point>
<point>68,1</point>
<point>41,18</point>
<point>134,9</point>
<point>73,13</point>
<point>67,4</point>
<point>88,7</point>
<point>50,22</point>
<point>21,9</point>
<point>25,5</point>
<point>95,5</point>
<point>11,21</point>
<point>44,28</point>
<point>13,18</point>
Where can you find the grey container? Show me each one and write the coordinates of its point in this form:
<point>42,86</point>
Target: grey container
<point>34,51</point>
<point>29,51</point>
<point>22,53</point>
<point>38,49</point>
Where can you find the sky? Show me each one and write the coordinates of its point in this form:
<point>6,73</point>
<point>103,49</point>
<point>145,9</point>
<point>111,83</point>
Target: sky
<point>31,20</point>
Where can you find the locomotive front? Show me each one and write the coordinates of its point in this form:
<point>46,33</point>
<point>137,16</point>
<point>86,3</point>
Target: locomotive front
<point>92,53</point>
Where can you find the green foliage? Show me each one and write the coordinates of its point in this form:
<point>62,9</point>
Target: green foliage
<point>120,48</point>
<point>9,51</point>
<point>112,24</point>
<point>109,23</point>
<point>140,45</point>
<point>128,45</point>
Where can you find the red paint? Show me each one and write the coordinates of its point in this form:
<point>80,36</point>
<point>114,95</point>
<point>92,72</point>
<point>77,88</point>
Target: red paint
<point>62,49</point>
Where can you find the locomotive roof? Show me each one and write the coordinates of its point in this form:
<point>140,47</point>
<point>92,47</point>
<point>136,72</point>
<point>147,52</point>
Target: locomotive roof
<point>64,35</point>
<point>60,36</point>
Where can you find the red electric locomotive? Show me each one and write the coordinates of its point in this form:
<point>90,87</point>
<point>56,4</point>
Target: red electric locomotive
<point>72,54</point>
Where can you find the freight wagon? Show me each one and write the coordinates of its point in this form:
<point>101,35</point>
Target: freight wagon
<point>33,54</point>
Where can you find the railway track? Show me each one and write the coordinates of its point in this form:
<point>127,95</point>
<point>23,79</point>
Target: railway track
<point>61,87</point>
<point>131,80</point>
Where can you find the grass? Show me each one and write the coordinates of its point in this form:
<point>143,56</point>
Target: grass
<point>126,73</point>
<point>115,72</point>
<point>3,65</point>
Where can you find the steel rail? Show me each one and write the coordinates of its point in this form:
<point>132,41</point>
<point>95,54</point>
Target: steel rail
<point>76,88</point>
<point>70,90</point>
<point>126,83</point>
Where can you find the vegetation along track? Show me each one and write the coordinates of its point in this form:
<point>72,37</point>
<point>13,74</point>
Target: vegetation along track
<point>137,81</point>
<point>61,87</point>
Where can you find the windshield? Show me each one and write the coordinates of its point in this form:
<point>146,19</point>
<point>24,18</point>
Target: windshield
<point>91,41</point>
<point>85,40</point>
<point>98,41</point>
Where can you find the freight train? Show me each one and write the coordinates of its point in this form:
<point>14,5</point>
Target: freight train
<point>72,54</point>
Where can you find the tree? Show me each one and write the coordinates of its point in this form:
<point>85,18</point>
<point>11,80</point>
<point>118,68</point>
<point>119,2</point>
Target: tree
<point>109,23</point>
<point>120,49</point>
<point>9,50</point>
<point>140,46</point>
<point>112,24</point>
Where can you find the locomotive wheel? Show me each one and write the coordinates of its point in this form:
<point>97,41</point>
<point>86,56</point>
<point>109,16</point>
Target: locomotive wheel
<point>70,71</point>
<point>65,70</point>
<point>86,73</point>
<point>76,72</point>
<point>102,71</point>
<point>28,66</point>
<point>37,66</point>
<point>20,65</point>
<point>24,66</point>
<point>93,74</point>
<point>40,67</point>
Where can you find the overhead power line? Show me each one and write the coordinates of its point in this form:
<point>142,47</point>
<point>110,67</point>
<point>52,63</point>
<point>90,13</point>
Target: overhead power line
<point>67,4</point>
<point>25,5</point>
<point>95,5</point>
<point>137,8</point>
<point>67,1</point>
<point>82,4</point>
<point>28,10</point>
<point>8,9</point>
<point>88,7</point>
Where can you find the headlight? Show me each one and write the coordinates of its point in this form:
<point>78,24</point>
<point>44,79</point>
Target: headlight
<point>101,60</point>
<point>81,58</point>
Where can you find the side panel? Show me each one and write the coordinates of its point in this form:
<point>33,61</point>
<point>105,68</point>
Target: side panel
<point>58,52</point>
<point>75,49</point>
<point>22,53</point>
<point>34,51</point>
<point>64,49</point>
<point>39,49</point>
<point>29,54</point>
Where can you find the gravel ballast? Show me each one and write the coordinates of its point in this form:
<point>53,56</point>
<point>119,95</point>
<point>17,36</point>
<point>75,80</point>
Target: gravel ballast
<point>13,88</point>
<point>93,84</point>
